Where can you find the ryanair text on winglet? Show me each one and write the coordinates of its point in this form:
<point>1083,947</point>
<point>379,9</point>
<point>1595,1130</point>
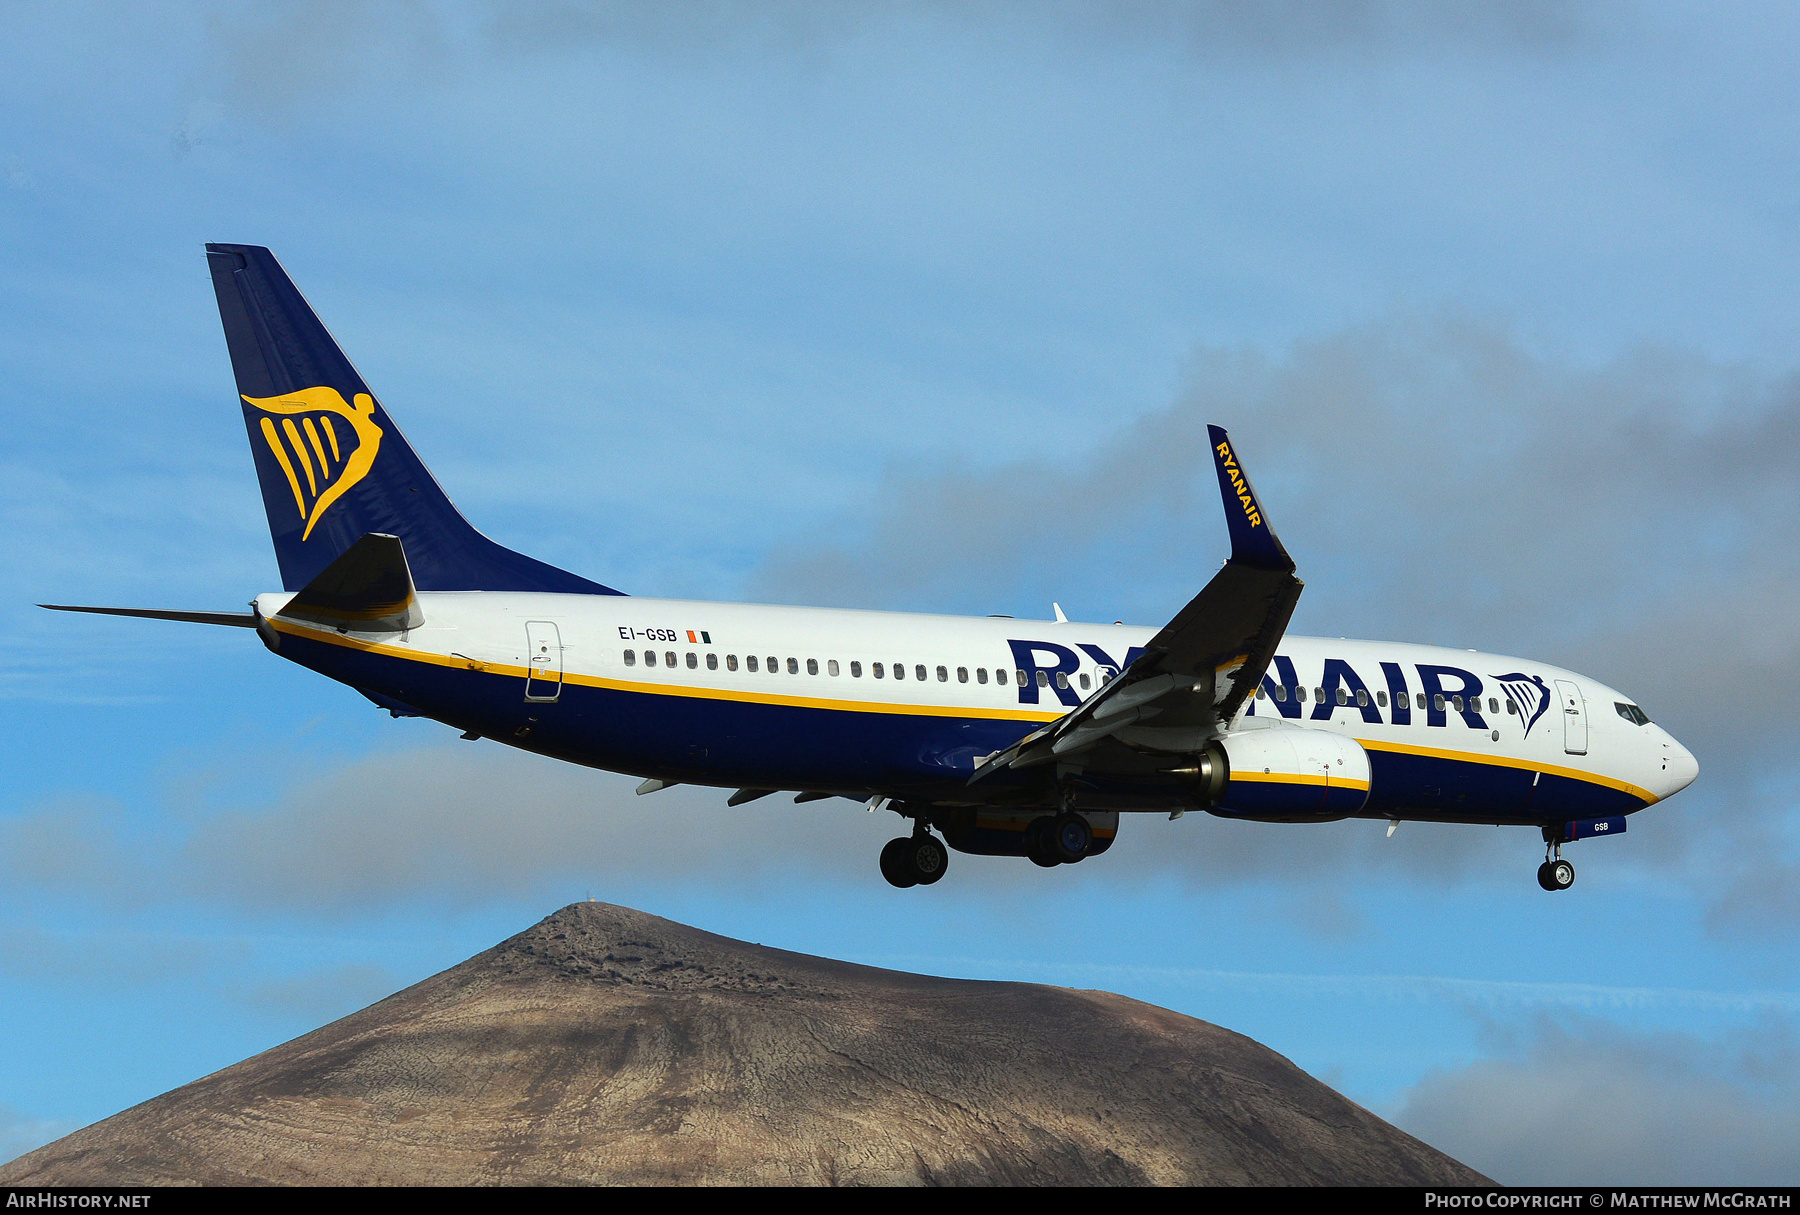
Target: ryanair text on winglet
<point>1238,483</point>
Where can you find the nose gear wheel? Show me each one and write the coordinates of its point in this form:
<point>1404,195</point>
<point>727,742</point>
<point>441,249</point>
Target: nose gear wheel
<point>1556,875</point>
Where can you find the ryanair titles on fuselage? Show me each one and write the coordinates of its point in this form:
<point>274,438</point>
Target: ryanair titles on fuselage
<point>1460,704</point>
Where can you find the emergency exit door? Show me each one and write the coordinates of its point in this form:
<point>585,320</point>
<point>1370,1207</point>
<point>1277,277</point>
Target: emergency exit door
<point>543,661</point>
<point>1574,714</point>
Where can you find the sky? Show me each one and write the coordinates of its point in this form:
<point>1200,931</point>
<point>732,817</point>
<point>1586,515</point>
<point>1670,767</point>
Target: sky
<point>924,306</point>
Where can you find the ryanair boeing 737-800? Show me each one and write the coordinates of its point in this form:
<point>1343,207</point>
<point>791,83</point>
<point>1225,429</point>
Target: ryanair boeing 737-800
<point>1004,737</point>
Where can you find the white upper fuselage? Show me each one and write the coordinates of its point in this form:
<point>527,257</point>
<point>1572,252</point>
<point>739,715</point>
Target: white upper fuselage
<point>1007,669</point>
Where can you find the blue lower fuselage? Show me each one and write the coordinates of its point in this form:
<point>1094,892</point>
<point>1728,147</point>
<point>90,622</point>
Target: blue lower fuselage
<point>744,744</point>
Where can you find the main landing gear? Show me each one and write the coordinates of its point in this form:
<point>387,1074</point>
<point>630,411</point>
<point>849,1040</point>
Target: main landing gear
<point>920,859</point>
<point>916,860</point>
<point>1060,839</point>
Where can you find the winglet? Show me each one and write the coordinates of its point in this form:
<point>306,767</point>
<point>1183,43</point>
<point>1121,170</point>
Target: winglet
<point>1253,541</point>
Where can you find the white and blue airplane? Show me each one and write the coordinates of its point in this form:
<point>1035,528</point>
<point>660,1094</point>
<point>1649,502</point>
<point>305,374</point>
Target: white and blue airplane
<point>1002,736</point>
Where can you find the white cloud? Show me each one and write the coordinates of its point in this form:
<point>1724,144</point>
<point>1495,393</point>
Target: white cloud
<point>1488,996</point>
<point>457,826</point>
<point>468,824</point>
<point>21,1133</point>
<point>1594,1103</point>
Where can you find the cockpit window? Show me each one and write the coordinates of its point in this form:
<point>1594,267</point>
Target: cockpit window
<point>1632,714</point>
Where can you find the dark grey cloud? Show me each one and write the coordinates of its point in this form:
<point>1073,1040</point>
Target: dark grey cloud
<point>322,995</point>
<point>124,952</point>
<point>275,57</point>
<point>1287,25</point>
<point>278,54</point>
<point>1440,479</point>
<point>31,953</point>
<point>1321,859</point>
<point>456,827</point>
<point>1326,912</point>
<point>1761,893</point>
<point>1200,27</point>
<point>484,822</point>
<point>473,825</point>
<point>1588,1102</point>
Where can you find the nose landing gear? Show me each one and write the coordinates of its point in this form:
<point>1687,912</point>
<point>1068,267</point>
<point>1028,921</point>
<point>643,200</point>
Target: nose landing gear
<point>1555,873</point>
<point>915,860</point>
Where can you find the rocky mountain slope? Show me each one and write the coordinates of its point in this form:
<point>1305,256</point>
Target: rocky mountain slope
<point>604,1045</point>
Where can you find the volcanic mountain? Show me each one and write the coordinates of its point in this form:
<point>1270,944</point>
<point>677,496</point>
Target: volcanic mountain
<point>608,1046</point>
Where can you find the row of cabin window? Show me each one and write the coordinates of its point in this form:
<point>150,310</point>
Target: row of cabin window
<point>1381,699</point>
<point>876,669</point>
<point>1022,677</point>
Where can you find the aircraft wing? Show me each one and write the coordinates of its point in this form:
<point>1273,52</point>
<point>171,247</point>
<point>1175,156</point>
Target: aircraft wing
<point>1196,673</point>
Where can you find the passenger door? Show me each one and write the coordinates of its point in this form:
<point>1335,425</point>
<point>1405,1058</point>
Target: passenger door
<point>1574,711</point>
<point>543,661</point>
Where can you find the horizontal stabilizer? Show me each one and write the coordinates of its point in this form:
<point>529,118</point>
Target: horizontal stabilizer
<point>242,620</point>
<point>369,590</point>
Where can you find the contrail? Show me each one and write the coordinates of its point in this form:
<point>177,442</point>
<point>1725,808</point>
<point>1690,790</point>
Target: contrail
<point>1490,992</point>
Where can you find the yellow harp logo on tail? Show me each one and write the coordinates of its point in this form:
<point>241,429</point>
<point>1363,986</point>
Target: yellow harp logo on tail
<point>322,458</point>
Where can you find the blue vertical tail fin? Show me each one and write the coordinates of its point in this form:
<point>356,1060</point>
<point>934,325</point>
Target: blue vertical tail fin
<point>332,464</point>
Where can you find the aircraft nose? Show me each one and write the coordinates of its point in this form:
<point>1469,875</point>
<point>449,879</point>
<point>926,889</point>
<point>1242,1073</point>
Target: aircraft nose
<point>1679,768</point>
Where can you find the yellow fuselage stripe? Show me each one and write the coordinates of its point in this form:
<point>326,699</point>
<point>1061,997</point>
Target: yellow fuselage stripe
<point>1298,778</point>
<point>864,706</point>
<point>1507,761</point>
<point>657,689</point>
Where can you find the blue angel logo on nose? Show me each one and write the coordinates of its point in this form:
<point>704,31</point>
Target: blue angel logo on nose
<point>1529,694</point>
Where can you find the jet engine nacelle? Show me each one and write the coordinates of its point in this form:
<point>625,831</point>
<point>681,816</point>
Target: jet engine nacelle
<point>1286,774</point>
